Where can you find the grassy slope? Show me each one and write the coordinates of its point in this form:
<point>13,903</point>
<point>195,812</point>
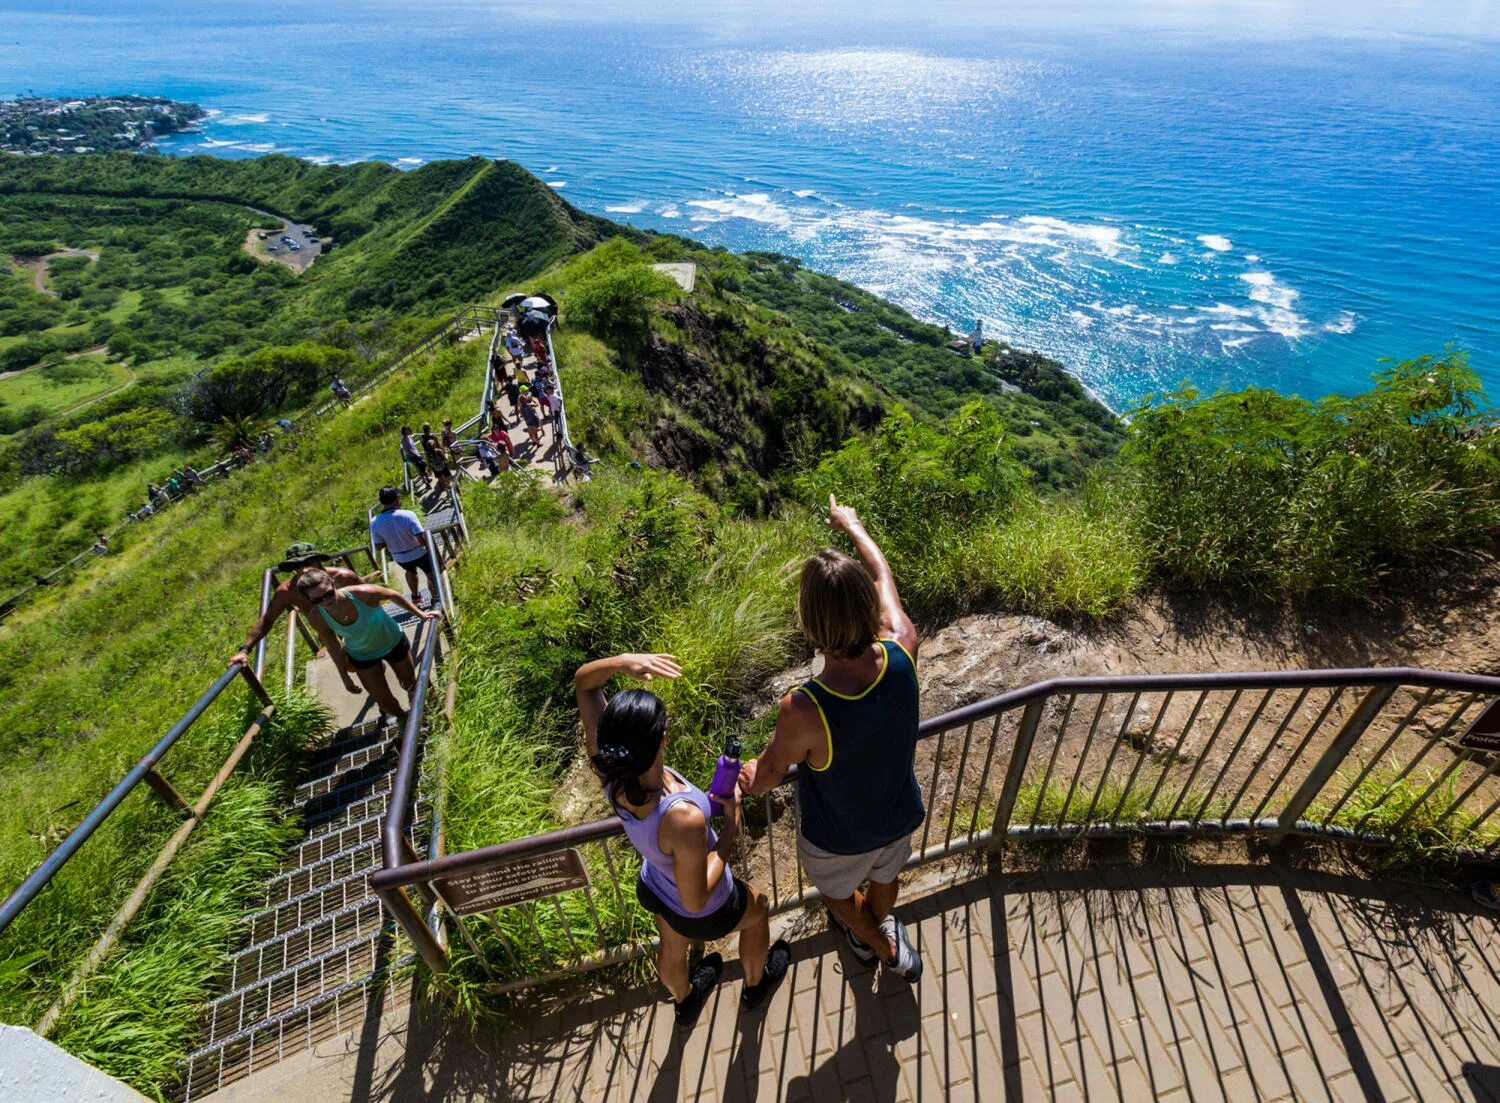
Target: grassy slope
<point>89,678</point>
<point>61,388</point>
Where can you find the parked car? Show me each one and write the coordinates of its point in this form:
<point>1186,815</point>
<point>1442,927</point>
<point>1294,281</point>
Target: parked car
<point>272,249</point>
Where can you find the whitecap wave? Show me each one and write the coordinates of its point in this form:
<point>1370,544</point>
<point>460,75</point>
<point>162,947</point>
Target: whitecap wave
<point>411,160</point>
<point>1344,323</point>
<point>1233,343</point>
<point>625,208</point>
<point>557,183</point>
<point>1168,258</point>
<point>1252,258</point>
<point>247,118</point>
<point>1279,313</point>
<point>1217,242</point>
<point>805,193</point>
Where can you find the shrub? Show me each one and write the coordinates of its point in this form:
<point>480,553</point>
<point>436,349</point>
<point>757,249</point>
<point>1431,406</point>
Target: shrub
<point>264,381</point>
<point>923,493</point>
<point>612,290</point>
<point>1281,494</point>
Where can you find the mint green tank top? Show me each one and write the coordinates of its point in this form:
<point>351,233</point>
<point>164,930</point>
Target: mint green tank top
<point>372,635</point>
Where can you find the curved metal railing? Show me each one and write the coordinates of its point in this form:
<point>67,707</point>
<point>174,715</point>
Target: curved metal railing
<point>1326,753</point>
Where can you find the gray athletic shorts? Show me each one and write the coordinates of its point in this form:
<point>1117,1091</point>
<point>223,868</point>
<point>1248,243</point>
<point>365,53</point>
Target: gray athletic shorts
<point>838,876</point>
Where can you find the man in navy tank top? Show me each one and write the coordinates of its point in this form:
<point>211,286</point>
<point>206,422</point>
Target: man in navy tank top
<point>852,733</point>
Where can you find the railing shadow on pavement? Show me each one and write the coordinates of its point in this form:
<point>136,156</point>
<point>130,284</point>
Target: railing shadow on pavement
<point>1225,982</point>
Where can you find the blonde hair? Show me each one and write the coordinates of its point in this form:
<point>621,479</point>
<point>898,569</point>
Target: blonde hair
<point>837,606</point>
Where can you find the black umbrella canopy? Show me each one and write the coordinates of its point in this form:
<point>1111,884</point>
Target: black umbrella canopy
<point>510,302</point>
<point>534,323</point>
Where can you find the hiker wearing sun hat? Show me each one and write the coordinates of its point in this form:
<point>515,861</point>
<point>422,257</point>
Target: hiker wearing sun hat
<point>299,557</point>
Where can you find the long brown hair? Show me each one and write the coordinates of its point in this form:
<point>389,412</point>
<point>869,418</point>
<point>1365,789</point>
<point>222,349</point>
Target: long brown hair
<point>837,606</point>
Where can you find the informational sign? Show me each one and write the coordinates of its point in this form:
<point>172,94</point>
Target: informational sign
<point>513,883</point>
<point>1484,733</point>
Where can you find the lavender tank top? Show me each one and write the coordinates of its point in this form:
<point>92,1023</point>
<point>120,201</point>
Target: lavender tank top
<point>657,868</point>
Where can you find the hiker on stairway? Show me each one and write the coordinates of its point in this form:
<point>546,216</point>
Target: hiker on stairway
<point>410,453</point>
<point>685,880</point>
<point>516,349</point>
<point>299,558</point>
<point>400,532</point>
<point>852,732</point>
<point>437,459</point>
<point>362,638</point>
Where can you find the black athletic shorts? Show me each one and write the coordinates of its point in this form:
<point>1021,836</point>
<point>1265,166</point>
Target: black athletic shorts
<point>401,651</point>
<point>715,924</point>
<point>423,563</point>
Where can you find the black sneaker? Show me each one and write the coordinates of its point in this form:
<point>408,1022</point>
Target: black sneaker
<point>862,949</point>
<point>702,979</point>
<point>778,961</point>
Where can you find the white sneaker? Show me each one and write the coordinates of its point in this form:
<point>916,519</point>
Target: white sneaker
<point>908,963</point>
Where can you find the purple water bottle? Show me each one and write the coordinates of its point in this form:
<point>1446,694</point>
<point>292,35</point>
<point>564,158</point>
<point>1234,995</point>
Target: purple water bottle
<point>726,776</point>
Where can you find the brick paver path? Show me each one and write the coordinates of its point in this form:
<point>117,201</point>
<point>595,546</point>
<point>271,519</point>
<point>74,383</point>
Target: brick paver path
<point>1226,983</point>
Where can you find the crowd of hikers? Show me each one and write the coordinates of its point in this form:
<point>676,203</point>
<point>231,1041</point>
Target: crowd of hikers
<point>850,732</point>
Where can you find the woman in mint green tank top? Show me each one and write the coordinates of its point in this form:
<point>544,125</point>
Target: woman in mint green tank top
<point>362,637</point>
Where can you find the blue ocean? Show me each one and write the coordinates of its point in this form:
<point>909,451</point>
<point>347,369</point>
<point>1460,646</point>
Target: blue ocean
<point>1259,192</point>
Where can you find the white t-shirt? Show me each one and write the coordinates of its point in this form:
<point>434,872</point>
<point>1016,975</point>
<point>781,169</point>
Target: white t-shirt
<point>513,344</point>
<point>398,530</point>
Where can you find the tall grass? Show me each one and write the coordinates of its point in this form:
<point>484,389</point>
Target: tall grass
<point>90,677</point>
<point>1063,555</point>
<point>1388,805</point>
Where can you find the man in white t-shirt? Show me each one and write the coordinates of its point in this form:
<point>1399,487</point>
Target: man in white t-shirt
<point>401,533</point>
<point>515,348</point>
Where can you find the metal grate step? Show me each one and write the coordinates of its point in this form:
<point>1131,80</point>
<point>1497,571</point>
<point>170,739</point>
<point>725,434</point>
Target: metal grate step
<point>337,816</point>
<point>297,984</point>
<point>263,959</point>
<point>353,758</point>
<point>273,922</point>
<point>331,804</point>
<point>233,1058</point>
<point>336,867</point>
<point>370,768</point>
<point>351,738</point>
<point>334,837</point>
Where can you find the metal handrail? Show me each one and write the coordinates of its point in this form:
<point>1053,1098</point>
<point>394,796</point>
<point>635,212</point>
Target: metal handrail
<point>483,858</point>
<point>956,800</point>
<point>27,891</point>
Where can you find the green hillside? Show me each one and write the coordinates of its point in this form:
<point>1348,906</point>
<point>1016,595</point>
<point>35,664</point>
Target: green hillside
<point>723,419</point>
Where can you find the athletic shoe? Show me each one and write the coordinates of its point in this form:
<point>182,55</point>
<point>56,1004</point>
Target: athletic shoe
<point>1485,895</point>
<point>702,980</point>
<point>778,961</point>
<point>862,949</point>
<point>908,963</point>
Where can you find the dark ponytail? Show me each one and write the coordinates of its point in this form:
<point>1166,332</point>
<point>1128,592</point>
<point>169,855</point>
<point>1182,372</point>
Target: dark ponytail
<point>629,735</point>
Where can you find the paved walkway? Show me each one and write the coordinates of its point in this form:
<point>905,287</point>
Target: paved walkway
<point>1227,983</point>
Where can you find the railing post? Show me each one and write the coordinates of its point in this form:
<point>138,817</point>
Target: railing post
<point>168,794</point>
<point>1020,754</point>
<point>1331,759</point>
<point>255,685</point>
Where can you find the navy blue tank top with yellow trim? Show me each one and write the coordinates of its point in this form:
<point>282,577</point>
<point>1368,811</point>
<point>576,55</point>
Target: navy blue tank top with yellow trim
<point>867,796</point>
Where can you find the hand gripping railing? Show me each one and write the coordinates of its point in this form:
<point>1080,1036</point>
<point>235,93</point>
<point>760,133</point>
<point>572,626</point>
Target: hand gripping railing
<point>144,770</point>
<point>1328,753</point>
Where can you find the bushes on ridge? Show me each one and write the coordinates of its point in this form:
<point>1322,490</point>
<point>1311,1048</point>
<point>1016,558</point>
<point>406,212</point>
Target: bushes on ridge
<point>1285,495</point>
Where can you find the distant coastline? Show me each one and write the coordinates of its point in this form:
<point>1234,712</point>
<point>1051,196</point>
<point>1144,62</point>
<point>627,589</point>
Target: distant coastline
<point>91,124</point>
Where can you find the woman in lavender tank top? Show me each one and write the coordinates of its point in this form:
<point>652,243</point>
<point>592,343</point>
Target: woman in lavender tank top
<point>685,879</point>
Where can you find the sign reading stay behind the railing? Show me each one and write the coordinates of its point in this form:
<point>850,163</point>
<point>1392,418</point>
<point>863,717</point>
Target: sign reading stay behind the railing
<point>515,882</point>
<point>1484,733</point>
